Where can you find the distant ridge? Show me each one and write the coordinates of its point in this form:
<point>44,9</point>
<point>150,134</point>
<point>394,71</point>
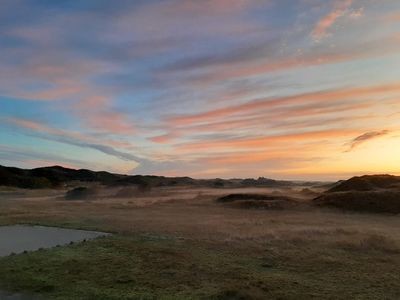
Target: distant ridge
<point>57,176</point>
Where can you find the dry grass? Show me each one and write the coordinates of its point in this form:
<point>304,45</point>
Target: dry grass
<point>181,211</point>
<point>253,254</point>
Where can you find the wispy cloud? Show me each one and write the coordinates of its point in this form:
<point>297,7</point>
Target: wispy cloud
<point>365,137</point>
<point>191,87</point>
<point>325,23</point>
<point>269,103</point>
<point>106,146</point>
<point>73,138</point>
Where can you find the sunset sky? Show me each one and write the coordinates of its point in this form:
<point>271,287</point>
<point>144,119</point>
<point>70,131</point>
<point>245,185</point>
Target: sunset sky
<point>306,89</point>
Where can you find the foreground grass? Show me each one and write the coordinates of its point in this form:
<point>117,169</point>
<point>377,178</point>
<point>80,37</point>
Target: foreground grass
<point>161,267</point>
<point>199,249</point>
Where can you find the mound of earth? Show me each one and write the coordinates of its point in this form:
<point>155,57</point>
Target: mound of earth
<point>379,201</point>
<point>367,183</point>
<point>80,193</point>
<point>127,192</point>
<point>261,201</point>
<point>308,192</point>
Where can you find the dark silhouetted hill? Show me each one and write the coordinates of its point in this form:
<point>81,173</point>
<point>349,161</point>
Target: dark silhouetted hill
<point>367,183</point>
<point>369,193</point>
<point>382,201</point>
<point>56,176</point>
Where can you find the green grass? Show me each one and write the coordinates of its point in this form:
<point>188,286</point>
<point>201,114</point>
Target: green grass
<point>162,267</point>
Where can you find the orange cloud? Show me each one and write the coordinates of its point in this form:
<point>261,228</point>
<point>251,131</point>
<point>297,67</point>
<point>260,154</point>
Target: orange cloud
<point>165,138</point>
<point>266,141</point>
<point>279,118</point>
<point>256,157</point>
<point>268,103</point>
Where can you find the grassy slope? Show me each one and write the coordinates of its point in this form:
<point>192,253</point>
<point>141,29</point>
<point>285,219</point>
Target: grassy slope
<point>153,267</point>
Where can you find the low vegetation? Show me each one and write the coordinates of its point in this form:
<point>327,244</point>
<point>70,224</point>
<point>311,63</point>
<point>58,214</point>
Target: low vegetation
<point>81,193</point>
<point>259,201</point>
<point>190,242</point>
<point>165,267</point>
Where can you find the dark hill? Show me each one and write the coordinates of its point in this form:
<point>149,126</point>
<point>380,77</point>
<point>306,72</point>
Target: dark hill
<point>368,193</point>
<point>367,183</point>
<point>48,177</point>
<point>382,201</point>
<point>55,176</point>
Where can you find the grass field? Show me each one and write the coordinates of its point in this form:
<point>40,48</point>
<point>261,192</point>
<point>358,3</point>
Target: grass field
<point>178,243</point>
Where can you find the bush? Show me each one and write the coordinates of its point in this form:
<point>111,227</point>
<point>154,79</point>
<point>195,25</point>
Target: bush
<point>80,193</point>
<point>126,193</point>
<point>259,201</point>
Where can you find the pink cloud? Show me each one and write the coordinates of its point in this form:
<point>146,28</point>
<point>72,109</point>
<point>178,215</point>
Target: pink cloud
<point>322,27</point>
<point>165,138</point>
<point>241,70</point>
<point>266,141</point>
<point>268,103</point>
<point>392,17</point>
<point>112,122</point>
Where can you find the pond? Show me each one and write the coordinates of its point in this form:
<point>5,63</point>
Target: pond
<point>10,296</point>
<point>19,238</point>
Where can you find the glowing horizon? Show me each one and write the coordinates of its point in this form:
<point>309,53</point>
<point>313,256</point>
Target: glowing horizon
<point>306,89</point>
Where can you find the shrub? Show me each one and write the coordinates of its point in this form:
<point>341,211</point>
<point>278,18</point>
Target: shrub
<point>80,193</point>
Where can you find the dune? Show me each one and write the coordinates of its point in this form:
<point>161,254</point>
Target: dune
<point>369,193</point>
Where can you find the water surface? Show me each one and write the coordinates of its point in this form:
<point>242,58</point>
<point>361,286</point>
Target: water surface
<point>9,296</point>
<point>19,238</point>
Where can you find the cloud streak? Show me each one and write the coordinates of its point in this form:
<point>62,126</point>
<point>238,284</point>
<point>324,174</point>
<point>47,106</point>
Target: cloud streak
<point>313,97</point>
<point>365,137</point>
<point>191,87</point>
<point>73,138</point>
<point>324,24</point>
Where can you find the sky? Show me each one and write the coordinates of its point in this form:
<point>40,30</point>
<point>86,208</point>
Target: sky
<point>287,89</point>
